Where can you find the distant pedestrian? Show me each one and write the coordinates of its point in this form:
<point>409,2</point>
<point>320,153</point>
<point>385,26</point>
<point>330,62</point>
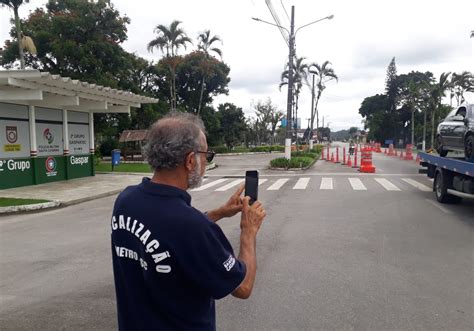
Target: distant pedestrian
<point>171,261</point>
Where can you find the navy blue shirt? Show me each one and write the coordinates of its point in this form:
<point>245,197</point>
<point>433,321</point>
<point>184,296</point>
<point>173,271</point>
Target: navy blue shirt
<point>170,261</point>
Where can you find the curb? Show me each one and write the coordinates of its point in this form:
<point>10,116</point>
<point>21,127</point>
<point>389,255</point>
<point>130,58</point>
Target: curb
<point>32,207</point>
<point>247,153</point>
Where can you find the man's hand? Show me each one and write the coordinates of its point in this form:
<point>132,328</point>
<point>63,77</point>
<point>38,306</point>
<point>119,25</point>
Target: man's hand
<point>252,216</point>
<point>230,208</point>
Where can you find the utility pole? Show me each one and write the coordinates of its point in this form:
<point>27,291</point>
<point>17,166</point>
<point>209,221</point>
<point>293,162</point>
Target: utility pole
<point>289,100</point>
<point>312,109</point>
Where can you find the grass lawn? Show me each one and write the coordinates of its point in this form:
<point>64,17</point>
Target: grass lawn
<point>124,167</point>
<point>7,202</point>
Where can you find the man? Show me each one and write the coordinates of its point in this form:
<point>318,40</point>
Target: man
<point>171,261</point>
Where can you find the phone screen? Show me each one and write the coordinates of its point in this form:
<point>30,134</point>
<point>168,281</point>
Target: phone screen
<point>251,185</point>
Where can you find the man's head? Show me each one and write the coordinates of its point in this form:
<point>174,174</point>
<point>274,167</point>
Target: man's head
<point>176,144</point>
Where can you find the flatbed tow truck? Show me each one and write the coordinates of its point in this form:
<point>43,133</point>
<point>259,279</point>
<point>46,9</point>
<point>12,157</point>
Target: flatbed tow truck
<point>453,177</point>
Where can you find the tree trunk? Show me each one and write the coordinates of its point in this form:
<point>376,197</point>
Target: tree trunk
<point>317,114</point>
<point>433,127</point>
<point>202,92</point>
<point>424,130</point>
<point>413,127</point>
<point>18,35</point>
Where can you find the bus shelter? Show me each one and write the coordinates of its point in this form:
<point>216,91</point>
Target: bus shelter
<point>47,125</point>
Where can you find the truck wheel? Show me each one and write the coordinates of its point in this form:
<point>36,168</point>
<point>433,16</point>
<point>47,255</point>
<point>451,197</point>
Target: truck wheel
<point>439,147</point>
<point>468,147</point>
<point>441,189</point>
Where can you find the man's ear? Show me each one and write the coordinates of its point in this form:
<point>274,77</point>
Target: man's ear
<point>190,162</point>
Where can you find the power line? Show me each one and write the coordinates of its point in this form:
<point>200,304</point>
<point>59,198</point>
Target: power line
<point>288,17</point>
<point>277,20</point>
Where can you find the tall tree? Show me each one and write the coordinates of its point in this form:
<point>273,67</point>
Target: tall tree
<point>268,116</point>
<point>300,75</point>
<point>323,74</point>
<point>169,40</point>
<point>232,122</point>
<point>14,5</point>
<point>189,81</point>
<point>438,91</point>
<point>205,45</point>
<point>461,83</point>
<point>391,89</point>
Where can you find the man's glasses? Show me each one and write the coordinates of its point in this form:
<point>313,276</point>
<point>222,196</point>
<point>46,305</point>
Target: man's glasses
<point>209,155</point>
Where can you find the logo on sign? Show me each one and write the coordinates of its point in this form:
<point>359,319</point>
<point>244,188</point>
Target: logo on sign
<point>48,135</point>
<point>12,134</point>
<point>50,165</point>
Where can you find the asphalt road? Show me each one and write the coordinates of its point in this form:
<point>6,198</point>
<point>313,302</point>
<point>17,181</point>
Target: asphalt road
<point>338,250</point>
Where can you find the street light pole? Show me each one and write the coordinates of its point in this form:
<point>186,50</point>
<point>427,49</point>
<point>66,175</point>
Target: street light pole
<point>289,100</point>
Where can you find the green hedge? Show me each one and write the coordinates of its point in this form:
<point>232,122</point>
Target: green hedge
<point>240,149</point>
<point>294,162</point>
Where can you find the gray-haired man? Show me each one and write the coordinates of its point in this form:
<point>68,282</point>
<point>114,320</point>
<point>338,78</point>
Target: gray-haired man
<point>170,260</point>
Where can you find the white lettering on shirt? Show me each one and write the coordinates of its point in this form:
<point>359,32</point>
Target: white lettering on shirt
<point>151,246</point>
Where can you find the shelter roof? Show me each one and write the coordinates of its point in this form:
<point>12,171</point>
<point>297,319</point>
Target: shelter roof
<point>133,135</point>
<point>43,89</point>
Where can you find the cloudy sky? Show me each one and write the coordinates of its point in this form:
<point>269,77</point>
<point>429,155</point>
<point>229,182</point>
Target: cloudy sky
<point>359,42</point>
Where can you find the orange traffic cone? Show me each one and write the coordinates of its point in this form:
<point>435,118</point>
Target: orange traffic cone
<point>417,158</point>
<point>401,154</point>
<point>349,162</point>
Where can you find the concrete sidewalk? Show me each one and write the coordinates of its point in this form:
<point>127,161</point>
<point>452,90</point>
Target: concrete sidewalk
<point>76,190</point>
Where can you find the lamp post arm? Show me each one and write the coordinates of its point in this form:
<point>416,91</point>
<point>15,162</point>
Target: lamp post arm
<point>278,26</point>
<point>330,17</point>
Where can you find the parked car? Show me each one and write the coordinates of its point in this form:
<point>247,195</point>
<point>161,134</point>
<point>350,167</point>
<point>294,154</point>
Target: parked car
<point>456,132</point>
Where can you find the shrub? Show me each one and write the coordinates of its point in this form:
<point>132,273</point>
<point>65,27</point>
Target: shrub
<point>312,154</point>
<point>295,162</point>
<point>107,146</point>
<point>220,149</point>
<point>318,148</point>
<point>280,162</point>
<point>300,162</point>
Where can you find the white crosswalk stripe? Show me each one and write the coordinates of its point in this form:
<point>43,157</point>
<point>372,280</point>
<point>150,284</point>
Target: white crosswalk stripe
<point>326,183</point>
<point>278,184</point>
<point>357,185</point>
<point>416,184</point>
<point>261,181</point>
<point>230,185</point>
<point>301,184</point>
<point>387,184</point>
<point>208,185</point>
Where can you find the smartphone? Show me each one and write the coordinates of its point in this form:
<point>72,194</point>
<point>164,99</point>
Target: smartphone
<point>251,185</point>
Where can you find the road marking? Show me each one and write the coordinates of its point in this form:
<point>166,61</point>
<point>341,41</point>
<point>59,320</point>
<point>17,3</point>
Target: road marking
<point>416,184</point>
<point>230,185</point>
<point>437,205</point>
<point>301,184</point>
<point>279,183</point>
<point>208,185</point>
<point>326,183</point>
<point>387,184</point>
<point>261,181</point>
<point>357,184</point>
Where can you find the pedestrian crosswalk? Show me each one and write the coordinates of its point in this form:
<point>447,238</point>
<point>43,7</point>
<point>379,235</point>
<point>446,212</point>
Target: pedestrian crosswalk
<point>383,184</point>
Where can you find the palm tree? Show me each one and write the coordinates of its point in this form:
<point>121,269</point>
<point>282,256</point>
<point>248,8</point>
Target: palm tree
<point>15,4</point>
<point>324,74</point>
<point>461,83</point>
<point>169,40</point>
<point>300,75</point>
<point>205,46</point>
<point>438,91</point>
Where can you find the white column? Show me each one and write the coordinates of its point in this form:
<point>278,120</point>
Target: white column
<point>91,132</point>
<point>32,118</point>
<point>288,148</point>
<point>65,133</point>
<point>311,144</point>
